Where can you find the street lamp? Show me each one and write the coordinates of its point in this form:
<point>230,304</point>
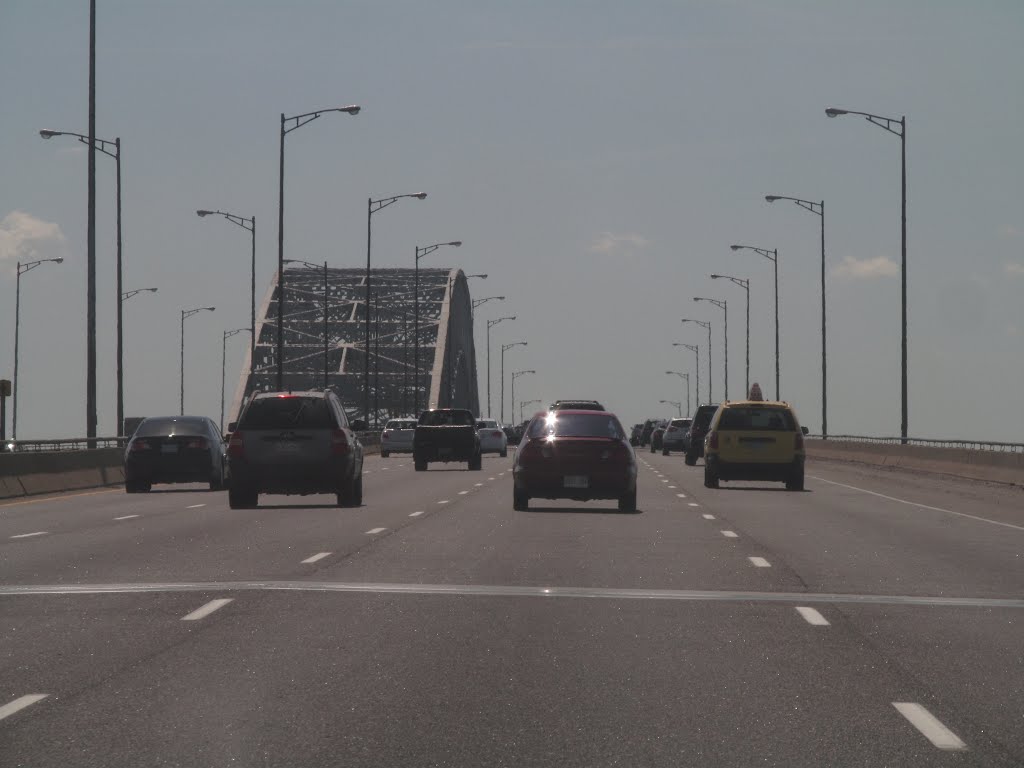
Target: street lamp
<point>819,209</point>
<point>773,256</point>
<point>223,368</point>
<point>420,253</point>
<point>687,377</point>
<point>185,313</point>
<point>372,206</point>
<point>677,404</point>
<point>503,348</point>
<point>523,404</point>
<point>110,149</point>
<point>21,269</point>
<point>249,225</point>
<point>707,325</point>
<point>745,285</point>
<point>890,124</point>
<point>478,302</point>
<point>489,324</point>
<point>696,351</point>
<point>724,306</point>
<point>299,121</point>
<point>309,265</point>
<point>515,375</point>
<point>129,294</point>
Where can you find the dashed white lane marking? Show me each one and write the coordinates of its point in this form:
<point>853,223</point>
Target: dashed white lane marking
<point>205,610</point>
<point>919,505</point>
<point>664,479</point>
<point>760,562</point>
<point>317,556</point>
<point>195,506</point>
<point>20,703</point>
<point>812,616</point>
<point>444,501</point>
<point>681,495</point>
<point>672,487</point>
<point>478,485</point>
<point>463,493</point>
<point>708,517</point>
<point>125,517</point>
<point>929,726</point>
<point>490,478</point>
<point>692,504</point>
<point>29,535</point>
<point>416,514</point>
<point>730,534</point>
<point>376,530</point>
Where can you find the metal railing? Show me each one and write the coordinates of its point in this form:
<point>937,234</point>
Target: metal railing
<point>972,445</point>
<point>63,444</point>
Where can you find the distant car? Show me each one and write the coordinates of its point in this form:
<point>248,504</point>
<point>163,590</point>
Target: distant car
<point>175,449</point>
<point>576,405</point>
<point>295,443</point>
<point>755,440</point>
<point>446,434</point>
<point>656,435</point>
<point>492,437</point>
<point>634,434</point>
<point>698,429</point>
<point>649,426</point>
<point>397,437</point>
<point>676,436</point>
<point>579,454</point>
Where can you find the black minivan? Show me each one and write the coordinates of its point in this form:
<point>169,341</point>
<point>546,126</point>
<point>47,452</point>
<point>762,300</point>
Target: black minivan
<point>698,430</point>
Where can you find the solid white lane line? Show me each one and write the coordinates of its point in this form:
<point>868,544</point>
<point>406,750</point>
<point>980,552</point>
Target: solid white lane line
<point>125,517</point>
<point>29,535</point>
<point>195,506</point>
<point>760,562</point>
<point>20,703</point>
<point>812,616</point>
<point>375,530</point>
<point>929,726</point>
<point>919,505</point>
<point>443,501</point>
<point>416,514</point>
<point>692,504</point>
<point>730,534</point>
<point>317,556</point>
<point>203,611</point>
<point>708,517</point>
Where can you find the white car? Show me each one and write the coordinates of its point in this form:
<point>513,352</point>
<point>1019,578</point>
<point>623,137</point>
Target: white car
<point>492,437</point>
<point>397,437</point>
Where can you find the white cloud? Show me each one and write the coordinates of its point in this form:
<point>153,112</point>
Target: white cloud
<point>23,237</point>
<point>610,243</point>
<point>1013,268</point>
<point>866,269</point>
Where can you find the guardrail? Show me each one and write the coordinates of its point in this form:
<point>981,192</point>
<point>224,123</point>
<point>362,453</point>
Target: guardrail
<point>973,445</point>
<point>63,444</point>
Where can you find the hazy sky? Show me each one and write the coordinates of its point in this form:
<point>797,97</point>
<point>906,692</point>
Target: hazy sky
<point>597,158</point>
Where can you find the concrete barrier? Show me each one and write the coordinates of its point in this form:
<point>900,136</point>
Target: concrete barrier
<point>32,473</point>
<point>992,466</point>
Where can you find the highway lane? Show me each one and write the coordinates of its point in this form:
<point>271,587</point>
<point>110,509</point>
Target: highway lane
<point>317,677</point>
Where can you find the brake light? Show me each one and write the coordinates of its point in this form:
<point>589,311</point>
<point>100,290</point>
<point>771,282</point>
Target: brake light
<point>199,442</point>
<point>140,445</point>
<point>236,446</point>
<point>713,441</point>
<point>339,442</point>
<point>385,436</point>
<point>798,443</point>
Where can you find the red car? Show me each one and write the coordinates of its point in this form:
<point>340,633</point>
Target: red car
<point>580,455</point>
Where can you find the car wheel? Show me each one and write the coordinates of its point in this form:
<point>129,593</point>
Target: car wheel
<point>384,454</point>
<point>131,486</point>
<point>795,482</point>
<point>421,466</point>
<point>520,501</point>
<point>691,460</point>
<point>665,451</point>
<point>476,463</point>
<point>710,478</point>
<point>217,483</point>
<point>504,453</point>
<point>242,498</point>
<point>627,503</point>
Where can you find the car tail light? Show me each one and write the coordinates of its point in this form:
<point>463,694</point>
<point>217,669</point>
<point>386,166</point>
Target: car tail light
<point>713,441</point>
<point>798,443</point>
<point>198,442</point>
<point>339,442</point>
<point>138,446</point>
<point>236,446</point>
<point>385,436</point>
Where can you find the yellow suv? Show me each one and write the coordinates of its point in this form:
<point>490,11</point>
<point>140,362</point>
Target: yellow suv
<point>755,440</point>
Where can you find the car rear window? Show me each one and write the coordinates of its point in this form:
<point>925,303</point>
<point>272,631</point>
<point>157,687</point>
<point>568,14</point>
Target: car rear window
<point>290,412</point>
<point>704,416</point>
<point>447,419</point>
<point>577,425</point>
<point>757,419</point>
<point>181,426</point>
<point>400,425</point>
<point>487,424</point>
<point>680,422</point>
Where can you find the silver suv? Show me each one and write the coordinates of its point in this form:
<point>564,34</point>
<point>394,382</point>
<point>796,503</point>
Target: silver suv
<point>295,443</point>
<point>397,437</point>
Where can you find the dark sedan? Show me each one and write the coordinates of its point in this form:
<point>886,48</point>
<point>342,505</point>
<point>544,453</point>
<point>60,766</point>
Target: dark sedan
<point>175,449</point>
<point>580,455</point>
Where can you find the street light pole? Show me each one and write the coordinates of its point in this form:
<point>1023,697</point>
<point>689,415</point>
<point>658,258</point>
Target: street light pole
<point>299,121</point>
<point>420,253</point>
<point>489,324</point>
<point>677,404</point>
<point>687,377</point>
<point>503,348</point>
<point>889,124</point>
<point>523,404</point>
<point>478,302</point>
<point>706,324</point>
<point>20,270</point>
<point>184,314</point>
<point>773,256</point>
<point>819,209</point>
<point>724,306</point>
<point>249,225</point>
<point>745,285</point>
<point>223,369</point>
<point>696,351</point>
<point>120,395</point>
<point>515,375</point>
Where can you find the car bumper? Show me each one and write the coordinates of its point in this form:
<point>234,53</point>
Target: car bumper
<point>777,471</point>
<point>324,477</point>
<point>493,446</point>
<point>551,485</point>
<point>180,469</point>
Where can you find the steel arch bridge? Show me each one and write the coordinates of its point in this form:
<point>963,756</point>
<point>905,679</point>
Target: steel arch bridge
<point>324,331</point>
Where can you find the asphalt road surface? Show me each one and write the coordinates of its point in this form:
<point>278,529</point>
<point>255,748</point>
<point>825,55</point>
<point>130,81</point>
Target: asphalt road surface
<point>876,619</point>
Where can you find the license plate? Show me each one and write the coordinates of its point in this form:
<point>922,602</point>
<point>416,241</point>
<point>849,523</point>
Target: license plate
<point>287,447</point>
<point>576,481</point>
<point>168,448</point>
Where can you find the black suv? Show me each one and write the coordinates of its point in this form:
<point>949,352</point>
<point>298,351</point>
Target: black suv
<point>698,430</point>
<point>295,443</point>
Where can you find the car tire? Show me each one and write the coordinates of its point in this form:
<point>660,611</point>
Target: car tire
<point>504,453</point>
<point>352,494</point>
<point>217,483</point>
<point>242,498</point>
<point>665,451</point>
<point>627,503</point>
<point>520,501</point>
<point>131,486</point>
<point>795,482</point>
<point>710,478</point>
<point>384,454</point>
<point>476,463</point>
<point>691,460</point>
<point>421,466</point>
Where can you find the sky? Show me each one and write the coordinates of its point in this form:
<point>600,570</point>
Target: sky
<point>596,158</point>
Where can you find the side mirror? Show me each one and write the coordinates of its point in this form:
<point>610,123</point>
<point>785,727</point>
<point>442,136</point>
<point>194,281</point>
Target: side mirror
<point>359,425</point>
<point>805,430</point>
<point>232,426</point>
